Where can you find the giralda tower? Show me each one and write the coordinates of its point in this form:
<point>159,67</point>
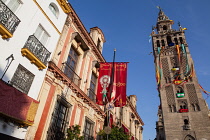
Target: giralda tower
<point>183,113</point>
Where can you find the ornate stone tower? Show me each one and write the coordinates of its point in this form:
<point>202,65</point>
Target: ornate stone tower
<point>183,113</point>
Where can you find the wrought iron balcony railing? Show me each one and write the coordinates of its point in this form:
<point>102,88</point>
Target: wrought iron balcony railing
<point>8,21</point>
<point>70,73</point>
<point>36,52</point>
<point>92,95</point>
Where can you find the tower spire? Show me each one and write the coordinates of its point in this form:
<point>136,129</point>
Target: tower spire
<point>161,15</point>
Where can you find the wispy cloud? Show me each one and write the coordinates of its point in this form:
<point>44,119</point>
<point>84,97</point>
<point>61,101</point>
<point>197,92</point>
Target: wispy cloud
<point>204,72</point>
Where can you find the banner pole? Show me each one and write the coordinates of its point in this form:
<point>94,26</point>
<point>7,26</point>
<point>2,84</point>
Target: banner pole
<point>111,88</point>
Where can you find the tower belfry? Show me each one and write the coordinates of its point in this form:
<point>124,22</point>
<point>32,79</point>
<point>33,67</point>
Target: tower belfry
<point>183,113</point>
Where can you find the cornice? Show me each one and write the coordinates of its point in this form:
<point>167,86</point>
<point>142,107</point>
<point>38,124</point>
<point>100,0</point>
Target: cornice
<point>82,30</point>
<point>134,111</point>
<point>59,75</point>
<point>64,5</point>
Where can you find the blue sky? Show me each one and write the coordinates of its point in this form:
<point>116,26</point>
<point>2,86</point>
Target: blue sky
<point>127,24</point>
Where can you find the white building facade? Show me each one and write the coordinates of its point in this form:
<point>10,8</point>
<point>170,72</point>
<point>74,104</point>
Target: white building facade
<point>30,31</point>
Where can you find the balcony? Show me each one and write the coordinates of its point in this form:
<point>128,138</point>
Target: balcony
<point>36,52</point>
<point>92,95</point>
<point>180,95</point>
<point>183,110</point>
<point>8,21</point>
<point>70,73</point>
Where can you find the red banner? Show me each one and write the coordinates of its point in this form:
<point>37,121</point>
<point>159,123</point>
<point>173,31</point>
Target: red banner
<point>112,83</point>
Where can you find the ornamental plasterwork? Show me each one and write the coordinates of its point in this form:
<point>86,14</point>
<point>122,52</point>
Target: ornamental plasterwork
<point>58,74</point>
<point>91,112</point>
<point>64,5</point>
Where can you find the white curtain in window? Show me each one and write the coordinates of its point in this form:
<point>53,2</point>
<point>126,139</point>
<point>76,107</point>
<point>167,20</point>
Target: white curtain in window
<point>13,5</point>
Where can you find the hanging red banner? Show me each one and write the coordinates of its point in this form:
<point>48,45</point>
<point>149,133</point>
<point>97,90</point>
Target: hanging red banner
<point>112,83</point>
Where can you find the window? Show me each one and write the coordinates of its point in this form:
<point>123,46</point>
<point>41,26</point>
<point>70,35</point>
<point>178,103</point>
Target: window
<point>13,4</point>
<point>41,35</point>
<point>163,42</point>
<point>158,43</point>
<point>99,44</point>
<point>59,120</point>
<point>88,129</point>
<point>169,40</point>
<point>22,79</point>
<point>54,9</point>
<point>164,27</point>
<point>176,41</point>
<point>71,63</point>
<point>181,40</point>
<point>195,107</point>
<point>92,87</point>
<point>189,137</point>
<point>72,58</point>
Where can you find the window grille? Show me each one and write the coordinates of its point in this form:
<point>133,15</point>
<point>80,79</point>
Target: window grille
<point>88,129</point>
<point>22,79</point>
<point>59,120</point>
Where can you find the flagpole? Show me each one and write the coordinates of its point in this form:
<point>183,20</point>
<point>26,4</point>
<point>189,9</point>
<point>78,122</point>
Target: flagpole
<point>112,75</point>
<point>111,89</point>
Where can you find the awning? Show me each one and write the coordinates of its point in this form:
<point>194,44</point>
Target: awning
<point>17,105</point>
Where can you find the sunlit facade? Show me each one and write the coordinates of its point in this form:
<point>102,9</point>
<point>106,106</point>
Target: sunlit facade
<point>29,33</point>
<point>68,92</point>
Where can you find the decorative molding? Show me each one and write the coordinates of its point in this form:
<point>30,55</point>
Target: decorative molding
<point>58,74</point>
<point>65,6</point>
<point>84,33</point>
<point>34,60</point>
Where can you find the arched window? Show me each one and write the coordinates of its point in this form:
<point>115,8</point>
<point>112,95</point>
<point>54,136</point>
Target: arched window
<point>193,106</point>
<point>169,40</point>
<point>181,40</point>
<point>170,108</point>
<point>189,137</point>
<point>180,90</point>
<point>198,107</point>
<point>186,121</point>
<point>163,42</point>
<point>164,27</point>
<point>158,43</point>
<point>176,41</point>
<point>54,9</point>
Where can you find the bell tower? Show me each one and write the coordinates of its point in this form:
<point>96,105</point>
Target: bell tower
<point>183,113</point>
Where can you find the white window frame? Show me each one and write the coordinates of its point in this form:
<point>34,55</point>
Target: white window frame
<point>14,9</point>
<point>40,35</point>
